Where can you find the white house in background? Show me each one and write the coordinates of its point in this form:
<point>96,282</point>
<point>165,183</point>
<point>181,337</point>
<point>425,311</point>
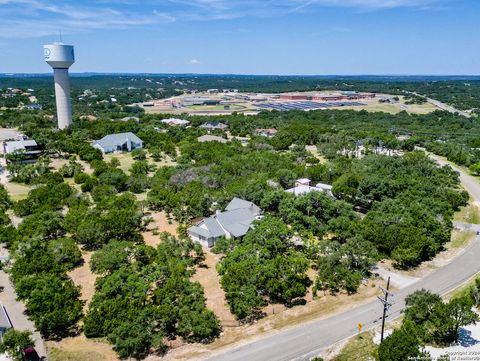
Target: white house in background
<point>122,142</point>
<point>176,122</point>
<point>210,126</point>
<point>302,186</point>
<point>234,222</point>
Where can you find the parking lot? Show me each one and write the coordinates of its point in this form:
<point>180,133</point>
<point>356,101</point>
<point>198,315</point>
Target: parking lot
<point>305,105</point>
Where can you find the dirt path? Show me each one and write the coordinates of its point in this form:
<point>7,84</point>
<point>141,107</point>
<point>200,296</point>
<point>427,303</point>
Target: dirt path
<point>83,277</point>
<point>210,281</point>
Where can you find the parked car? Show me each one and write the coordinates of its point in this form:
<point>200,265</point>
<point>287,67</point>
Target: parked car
<point>30,354</point>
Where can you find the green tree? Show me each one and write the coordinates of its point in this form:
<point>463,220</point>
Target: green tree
<point>447,318</point>
<point>401,345</point>
<point>14,342</point>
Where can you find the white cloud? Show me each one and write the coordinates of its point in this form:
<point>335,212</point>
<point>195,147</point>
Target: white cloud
<point>194,62</point>
<point>37,18</point>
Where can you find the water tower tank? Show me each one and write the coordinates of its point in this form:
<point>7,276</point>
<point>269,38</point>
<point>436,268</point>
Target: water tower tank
<point>59,56</point>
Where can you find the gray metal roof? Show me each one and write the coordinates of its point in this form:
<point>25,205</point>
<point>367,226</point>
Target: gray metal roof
<point>113,140</point>
<point>13,146</point>
<point>200,231</point>
<point>212,224</point>
<point>237,203</point>
<point>237,216</point>
<point>214,125</point>
<point>236,220</point>
<point>238,229</point>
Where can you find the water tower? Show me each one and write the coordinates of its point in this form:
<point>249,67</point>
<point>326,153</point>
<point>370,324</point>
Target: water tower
<point>60,57</point>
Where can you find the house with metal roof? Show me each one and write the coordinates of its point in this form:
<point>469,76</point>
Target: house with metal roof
<point>211,138</point>
<point>267,132</point>
<point>234,222</point>
<point>122,142</point>
<point>25,150</point>
<point>176,122</point>
<point>214,126</point>
<point>302,186</point>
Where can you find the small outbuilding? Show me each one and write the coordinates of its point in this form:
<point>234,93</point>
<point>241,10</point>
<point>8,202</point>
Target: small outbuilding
<point>122,142</point>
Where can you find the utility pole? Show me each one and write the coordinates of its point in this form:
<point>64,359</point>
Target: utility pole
<point>386,305</point>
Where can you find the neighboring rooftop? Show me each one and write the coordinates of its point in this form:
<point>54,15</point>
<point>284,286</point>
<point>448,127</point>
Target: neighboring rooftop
<point>211,138</point>
<point>19,145</point>
<point>175,121</point>
<point>302,186</point>
<point>214,126</point>
<point>118,142</point>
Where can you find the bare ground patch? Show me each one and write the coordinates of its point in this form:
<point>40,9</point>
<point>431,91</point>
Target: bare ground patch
<point>82,276</point>
<point>208,277</point>
<point>160,224</point>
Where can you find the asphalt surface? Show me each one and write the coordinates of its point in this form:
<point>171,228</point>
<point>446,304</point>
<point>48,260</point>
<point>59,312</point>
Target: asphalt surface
<point>308,340</point>
<point>16,313</point>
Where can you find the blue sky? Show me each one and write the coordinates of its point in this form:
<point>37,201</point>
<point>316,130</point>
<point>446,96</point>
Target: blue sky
<point>246,36</point>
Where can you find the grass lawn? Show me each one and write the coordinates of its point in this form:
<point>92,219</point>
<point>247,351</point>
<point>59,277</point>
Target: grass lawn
<point>125,160</point>
<point>468,214</point>
<point>17,191</point>
<point>62,355</point>
<point>461,239</point>
<point>80,348</point>
<point>215,107</point>
<point>358,348</point>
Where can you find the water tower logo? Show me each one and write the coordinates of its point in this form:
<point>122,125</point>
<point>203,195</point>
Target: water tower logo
<point>46,53</point>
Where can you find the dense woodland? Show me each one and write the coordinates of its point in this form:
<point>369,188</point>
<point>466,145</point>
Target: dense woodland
<point>396,207</point>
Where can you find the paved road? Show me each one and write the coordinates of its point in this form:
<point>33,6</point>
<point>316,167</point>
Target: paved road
<point>15,310</point>
<point>444,106</point>
<point>306,341</point>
